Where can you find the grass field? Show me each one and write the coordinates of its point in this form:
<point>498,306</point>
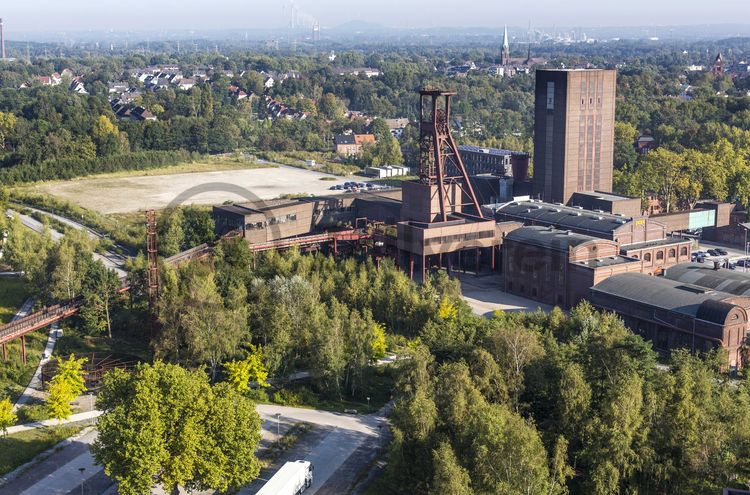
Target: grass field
<point>12,295</point>
<point>14,376</point>
<point>18,449</point>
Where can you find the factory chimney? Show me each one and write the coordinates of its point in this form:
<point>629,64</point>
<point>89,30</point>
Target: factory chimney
<point>2,41</point>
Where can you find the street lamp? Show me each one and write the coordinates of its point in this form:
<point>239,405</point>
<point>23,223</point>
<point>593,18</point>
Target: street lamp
<point>368,402</point>
<point>278,417</point>
<point>746,226</point>
<point>82,469</point>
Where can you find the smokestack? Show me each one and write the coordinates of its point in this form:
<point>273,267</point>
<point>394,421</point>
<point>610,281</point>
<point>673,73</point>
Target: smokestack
<point>2,41</point>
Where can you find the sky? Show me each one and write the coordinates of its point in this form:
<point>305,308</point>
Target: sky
<point>77,15</point>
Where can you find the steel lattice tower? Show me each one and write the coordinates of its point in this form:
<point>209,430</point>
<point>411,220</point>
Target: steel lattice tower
<point>437,148</point>
<point>153,263</point>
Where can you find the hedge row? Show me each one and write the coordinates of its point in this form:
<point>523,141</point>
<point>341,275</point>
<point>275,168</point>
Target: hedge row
<point>77,167</point>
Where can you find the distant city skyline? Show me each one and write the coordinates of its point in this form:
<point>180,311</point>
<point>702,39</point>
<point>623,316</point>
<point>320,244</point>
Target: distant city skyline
<point>82,15</point>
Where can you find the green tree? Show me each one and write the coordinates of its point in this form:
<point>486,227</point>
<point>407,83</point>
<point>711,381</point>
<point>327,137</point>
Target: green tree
<point>67,384</point>
<point>100,292</point>
<point>106,136</point>
<point>450,477</point>
<point>664,173</point>
<point>379,345</point>
<point>172,238</point>
<point>212,329</point>
<point>507,453</point>
<point>250,369</point>
<point>7,417</point>
<point>8,123</point>
<point>625,136</point>
<point>163,424</point>
<point>67,263</point>
<point>331,107</point>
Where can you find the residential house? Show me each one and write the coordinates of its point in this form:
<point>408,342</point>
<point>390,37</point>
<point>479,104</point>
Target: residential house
<point>351,144</point>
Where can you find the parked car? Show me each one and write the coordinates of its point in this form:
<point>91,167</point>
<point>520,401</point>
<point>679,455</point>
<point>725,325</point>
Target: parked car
<point>722,252</point>
<point>701,259</point>
<point>743,262</point>
<point>713,252</point>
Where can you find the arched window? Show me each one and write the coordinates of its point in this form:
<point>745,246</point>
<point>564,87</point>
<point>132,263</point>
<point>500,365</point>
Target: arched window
<point>647,257</point>
<point>683,251</point>
<point>672,253</point>
<point>660,255</point>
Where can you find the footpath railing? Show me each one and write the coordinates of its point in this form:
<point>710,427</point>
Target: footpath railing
<point>42,318</point>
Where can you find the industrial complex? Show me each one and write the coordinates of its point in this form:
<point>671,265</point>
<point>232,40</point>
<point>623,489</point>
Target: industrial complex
<point>558,238</point>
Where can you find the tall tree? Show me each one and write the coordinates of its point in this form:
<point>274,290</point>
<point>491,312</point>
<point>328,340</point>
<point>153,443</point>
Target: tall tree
<point>213,331</point>
<point>67,384</point>
<point>450,477</point>
<point>7,417</point>
<point>100,292</point>
<point>8,123</point>
<point>163,424</point>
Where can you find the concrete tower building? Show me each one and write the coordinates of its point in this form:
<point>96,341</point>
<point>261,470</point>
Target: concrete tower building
<point>506,48</point>
<point>574,132</point>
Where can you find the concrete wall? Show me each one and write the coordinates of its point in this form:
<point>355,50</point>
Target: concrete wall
<point>627,207</point>
<point>442,238</point>
<point>421,202</point>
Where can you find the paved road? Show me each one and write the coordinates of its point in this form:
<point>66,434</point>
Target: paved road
<point>485,296</point>
<point>339,447</point>
<point>35,389</point>
<point>59,473</point>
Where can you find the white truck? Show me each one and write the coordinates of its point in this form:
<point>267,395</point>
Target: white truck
<point>292,479</point>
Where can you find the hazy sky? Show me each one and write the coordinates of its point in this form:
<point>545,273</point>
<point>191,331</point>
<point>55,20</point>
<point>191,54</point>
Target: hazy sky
<point>57,15</point>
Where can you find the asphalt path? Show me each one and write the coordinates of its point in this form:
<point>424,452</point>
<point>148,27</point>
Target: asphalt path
<point>339,447</point>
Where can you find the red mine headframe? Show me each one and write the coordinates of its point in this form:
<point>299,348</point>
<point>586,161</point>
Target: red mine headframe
<point>437,150</point>
<point>153,262</point>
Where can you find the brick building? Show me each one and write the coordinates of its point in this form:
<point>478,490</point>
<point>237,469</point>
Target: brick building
<point>677,315</point>
<point>351,144</point>
<point>557,267</point>
<point>574,120</point>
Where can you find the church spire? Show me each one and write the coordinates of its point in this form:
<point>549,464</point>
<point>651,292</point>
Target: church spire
<point>506,48</point>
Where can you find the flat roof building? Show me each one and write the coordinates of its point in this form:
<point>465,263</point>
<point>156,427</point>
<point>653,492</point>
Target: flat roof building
<point>608,202</point>
<point>574,119</point>
<point>505,163</point>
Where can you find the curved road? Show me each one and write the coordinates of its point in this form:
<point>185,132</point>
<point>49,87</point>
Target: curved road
<point>339,438</point>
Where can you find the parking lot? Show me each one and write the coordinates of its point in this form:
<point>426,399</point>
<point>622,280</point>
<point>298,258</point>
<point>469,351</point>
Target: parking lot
<point>710,253</point>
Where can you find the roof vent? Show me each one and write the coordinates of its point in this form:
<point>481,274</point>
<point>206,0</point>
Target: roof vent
<point>567,232</point>
<point>578,207</point>
<point>575,214</point>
